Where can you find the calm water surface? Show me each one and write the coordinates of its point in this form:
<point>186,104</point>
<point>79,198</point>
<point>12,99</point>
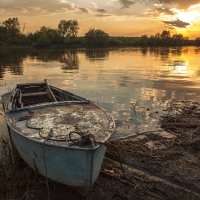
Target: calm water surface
<point>129,83</point>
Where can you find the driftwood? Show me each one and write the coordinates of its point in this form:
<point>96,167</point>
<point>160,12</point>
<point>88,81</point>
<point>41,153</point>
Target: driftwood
<point>181,118</point>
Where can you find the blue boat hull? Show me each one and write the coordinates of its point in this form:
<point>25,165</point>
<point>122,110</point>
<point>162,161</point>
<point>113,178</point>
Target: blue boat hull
<point>71,166</point>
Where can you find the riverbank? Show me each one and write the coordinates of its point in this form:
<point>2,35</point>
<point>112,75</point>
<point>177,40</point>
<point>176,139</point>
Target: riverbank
<point>170,173</point>
<point>150,166</point>
<point>83,46</point>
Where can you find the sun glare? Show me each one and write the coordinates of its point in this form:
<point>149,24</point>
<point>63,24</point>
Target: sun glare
<point>181,68</point>
<point>188,16</point>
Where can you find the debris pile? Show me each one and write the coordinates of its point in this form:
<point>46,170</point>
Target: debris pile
<point>183,120</point>
<point>171,156</point>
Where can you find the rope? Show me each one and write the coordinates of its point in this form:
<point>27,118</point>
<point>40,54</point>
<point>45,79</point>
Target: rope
<point>91,139</point>
<point>86,137</point>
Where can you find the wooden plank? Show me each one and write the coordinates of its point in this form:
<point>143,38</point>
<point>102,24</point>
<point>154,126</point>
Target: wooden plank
<point>20,99</point>
<point>54,98</point>
<point>30,84</point>
<point>35,94</point>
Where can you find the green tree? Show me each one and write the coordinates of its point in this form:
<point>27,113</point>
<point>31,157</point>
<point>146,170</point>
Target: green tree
<point>2,34</point>
<point>165,35</point>
<point>197,41</point>
<point>96,37</point>
<point>144,40</point>
<point>73,29</point>
<point>12,27</point>
<point>45,36</point>
<point>157,36</point>
<point>177,39</point>
<point>155,40</point>
<point>68,28</point>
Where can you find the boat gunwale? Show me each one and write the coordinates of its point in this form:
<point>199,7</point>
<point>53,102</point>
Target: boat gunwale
<point>80,100</point>
<point>44,142</point>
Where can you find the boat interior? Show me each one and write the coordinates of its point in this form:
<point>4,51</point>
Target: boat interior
<point>37,93</point>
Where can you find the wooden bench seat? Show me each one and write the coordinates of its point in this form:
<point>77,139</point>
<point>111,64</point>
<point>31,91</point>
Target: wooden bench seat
<point>35,94</point>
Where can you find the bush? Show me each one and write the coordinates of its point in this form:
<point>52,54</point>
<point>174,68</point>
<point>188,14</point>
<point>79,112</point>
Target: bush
<point>96,38</point>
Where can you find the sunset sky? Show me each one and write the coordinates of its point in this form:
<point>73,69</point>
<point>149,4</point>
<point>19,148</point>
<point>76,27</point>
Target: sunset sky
<point>117,17</point>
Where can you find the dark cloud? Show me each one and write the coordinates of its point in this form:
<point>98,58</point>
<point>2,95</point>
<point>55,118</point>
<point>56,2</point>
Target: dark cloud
<point>101,10</point>
<point>126,3</point>
<point>160,10</point>
<point>103,15</point>
<point>35,7</point>
<point>165,6</point>
<point>177,23</point>
<point>181,4</point>
<point>84,10</point>
<point>166,11</point>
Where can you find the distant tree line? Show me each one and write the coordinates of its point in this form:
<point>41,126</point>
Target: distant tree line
<point>66,35</point>
<point>164,39</point>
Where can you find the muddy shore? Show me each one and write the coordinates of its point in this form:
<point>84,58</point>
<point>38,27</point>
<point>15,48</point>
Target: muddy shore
<point>171,171</point>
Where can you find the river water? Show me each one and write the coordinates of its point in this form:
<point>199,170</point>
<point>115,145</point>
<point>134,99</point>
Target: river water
<point>133,84</point>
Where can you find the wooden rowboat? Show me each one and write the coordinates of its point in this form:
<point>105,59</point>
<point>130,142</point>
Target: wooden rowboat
<point>58,134</point>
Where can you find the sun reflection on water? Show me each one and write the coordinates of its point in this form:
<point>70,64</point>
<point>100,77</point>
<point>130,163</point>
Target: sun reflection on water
<point>182,68</point>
